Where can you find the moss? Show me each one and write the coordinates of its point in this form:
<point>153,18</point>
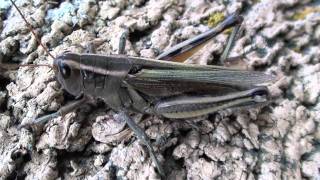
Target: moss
<point>215,18</point>
<point>256,1</point>
<point>302,14</point>
<point>296,49</point>
<point>227,31</point>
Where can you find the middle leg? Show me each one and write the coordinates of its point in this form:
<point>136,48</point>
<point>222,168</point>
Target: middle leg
<point>142,137</point>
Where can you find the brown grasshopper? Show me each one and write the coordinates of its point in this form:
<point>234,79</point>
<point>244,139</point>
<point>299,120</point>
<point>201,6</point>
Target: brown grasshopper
<point>162,86</point>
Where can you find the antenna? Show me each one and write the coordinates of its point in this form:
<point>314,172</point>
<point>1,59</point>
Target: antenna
<point>16,66</point>
<point>32,31</point>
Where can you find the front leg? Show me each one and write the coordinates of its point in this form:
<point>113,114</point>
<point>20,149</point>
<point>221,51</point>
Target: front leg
<point>142,137</point>
<point>61,112</point>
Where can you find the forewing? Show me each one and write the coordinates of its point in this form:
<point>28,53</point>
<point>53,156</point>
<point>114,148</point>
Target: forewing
<point>167,82</point>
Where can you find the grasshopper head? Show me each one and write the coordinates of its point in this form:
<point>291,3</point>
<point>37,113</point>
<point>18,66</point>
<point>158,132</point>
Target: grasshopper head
<point>68,73</point>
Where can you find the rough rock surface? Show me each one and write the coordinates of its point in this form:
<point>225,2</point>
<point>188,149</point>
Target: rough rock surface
<point>279,141</point>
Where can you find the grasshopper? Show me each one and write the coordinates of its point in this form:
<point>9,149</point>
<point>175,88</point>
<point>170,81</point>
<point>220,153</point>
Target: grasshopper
<point>163,86</point>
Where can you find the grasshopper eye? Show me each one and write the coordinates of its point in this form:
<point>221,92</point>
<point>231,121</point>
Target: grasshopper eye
<point>65,70</point>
